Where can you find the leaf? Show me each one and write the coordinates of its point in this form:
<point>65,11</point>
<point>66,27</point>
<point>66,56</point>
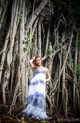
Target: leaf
<point>43,121</point>
<point>22,120</point>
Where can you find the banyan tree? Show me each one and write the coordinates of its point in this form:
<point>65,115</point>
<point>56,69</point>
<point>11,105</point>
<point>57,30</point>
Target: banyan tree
<point>46,27</point>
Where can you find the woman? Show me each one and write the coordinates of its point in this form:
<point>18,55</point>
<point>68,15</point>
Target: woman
<point>36,107</point>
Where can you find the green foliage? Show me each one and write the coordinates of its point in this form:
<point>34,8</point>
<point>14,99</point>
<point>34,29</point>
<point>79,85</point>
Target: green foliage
<point>70,9</point>
<point>20,18</point>
<point>29,37</point>
<point>78,70</point>
<point>28,40</point>
<point>50,50</point>
<point>59,2</point>
<point>79,41</point>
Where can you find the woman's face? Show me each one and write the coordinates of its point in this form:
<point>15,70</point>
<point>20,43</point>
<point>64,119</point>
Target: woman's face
<point>38,61</point>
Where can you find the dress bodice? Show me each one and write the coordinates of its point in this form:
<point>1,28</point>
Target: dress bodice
<point>38,71</point>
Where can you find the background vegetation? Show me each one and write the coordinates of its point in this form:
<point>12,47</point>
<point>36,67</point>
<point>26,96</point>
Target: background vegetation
<point>51,28</point>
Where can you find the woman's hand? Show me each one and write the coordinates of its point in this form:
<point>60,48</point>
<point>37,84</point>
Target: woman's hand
<point>31,63</point>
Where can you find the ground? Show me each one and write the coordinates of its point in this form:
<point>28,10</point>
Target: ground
<point>14,118</point>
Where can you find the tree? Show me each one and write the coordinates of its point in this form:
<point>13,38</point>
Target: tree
<point>45,29</point>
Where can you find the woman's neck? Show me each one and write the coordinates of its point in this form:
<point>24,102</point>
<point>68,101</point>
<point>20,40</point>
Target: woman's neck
<point>39,67</point>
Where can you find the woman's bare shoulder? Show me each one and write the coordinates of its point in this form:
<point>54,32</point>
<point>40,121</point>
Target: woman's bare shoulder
<point>46,68</point>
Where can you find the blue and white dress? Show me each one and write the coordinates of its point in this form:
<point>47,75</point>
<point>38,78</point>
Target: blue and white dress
<point>36,107</point>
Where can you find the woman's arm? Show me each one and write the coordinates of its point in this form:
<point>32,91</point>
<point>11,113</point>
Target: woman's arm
<point>48,77</point>
<point>31,63</point>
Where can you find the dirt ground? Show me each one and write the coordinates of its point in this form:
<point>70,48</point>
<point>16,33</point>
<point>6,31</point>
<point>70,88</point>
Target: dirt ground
<point>5,117</point>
